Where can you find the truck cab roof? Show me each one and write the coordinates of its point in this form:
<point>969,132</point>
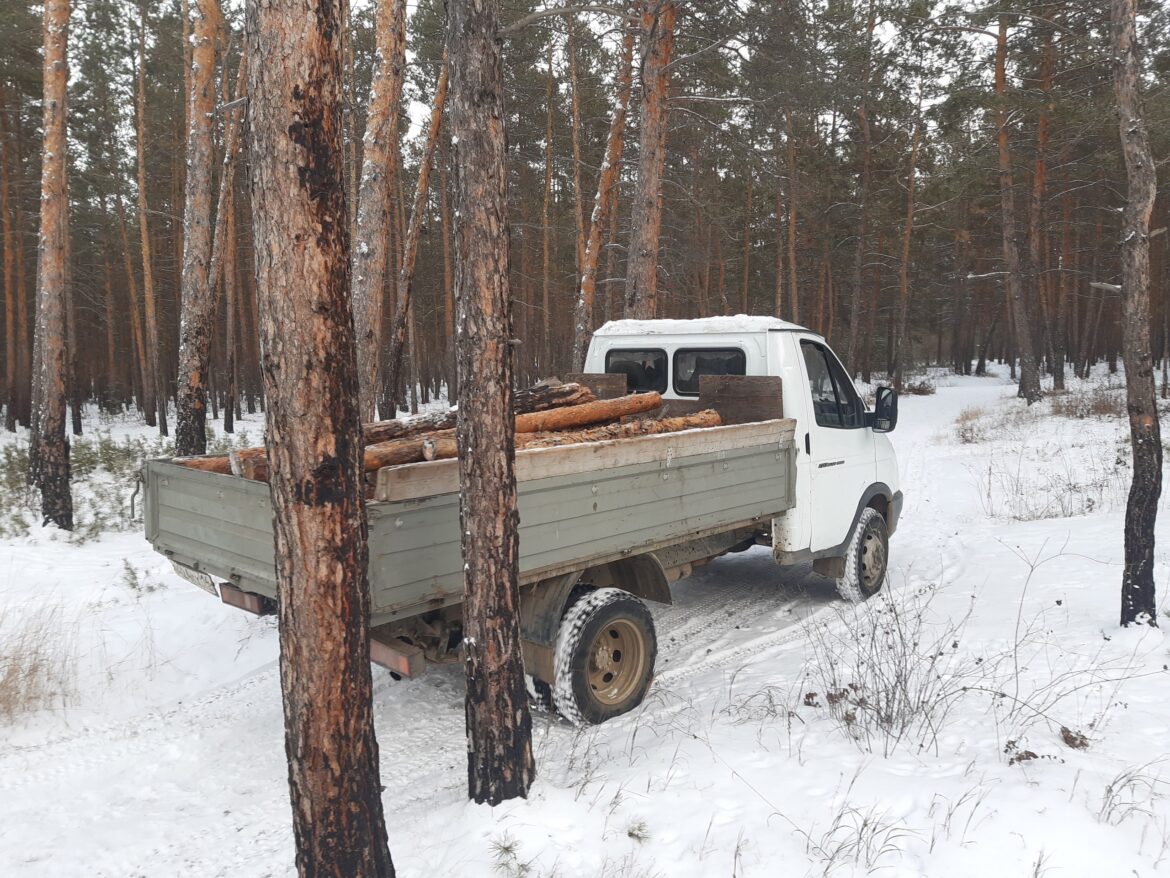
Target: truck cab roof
<point>737,324</point>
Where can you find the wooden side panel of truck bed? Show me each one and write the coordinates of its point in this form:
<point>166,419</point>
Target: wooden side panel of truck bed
<point>579,505</point>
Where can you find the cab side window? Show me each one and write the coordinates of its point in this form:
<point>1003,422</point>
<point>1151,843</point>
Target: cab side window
<point>645,370</point>
<point>836,402</point>
<point>692,363</point>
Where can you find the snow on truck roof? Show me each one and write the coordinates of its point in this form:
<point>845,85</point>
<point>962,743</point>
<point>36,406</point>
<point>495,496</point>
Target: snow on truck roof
<point>737,324</point>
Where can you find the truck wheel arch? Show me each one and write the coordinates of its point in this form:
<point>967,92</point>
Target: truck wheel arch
<point>543,604</point>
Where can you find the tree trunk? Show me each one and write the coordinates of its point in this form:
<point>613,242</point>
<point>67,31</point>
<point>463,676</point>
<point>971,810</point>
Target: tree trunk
<point>745,278</point>
<point>778,297</point>
<point>1029,373</point>
<point>904,272</point>
<point>410,245</point>
<point>10,294</point>
<point>793,291</point>
<point>138,331</point>
<point>658,17</point>
<point>301,231</point>
<point>603,203</point>
<point>856,322</point>
<point>49,451</point>
<point>372,234</point>
<point>199,282</point>
<point>499,728</point>
<point>545,224</point>
<point>230,341</point>
<point>448,271</point>
<point>575,130</point>
<point>1138,605</point>
<point>154,352</point>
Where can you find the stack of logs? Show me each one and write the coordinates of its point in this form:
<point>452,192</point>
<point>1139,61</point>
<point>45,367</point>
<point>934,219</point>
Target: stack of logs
<point>546,416</point>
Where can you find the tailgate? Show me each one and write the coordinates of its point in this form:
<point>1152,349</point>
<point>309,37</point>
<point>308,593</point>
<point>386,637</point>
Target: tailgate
<point>221,525</point>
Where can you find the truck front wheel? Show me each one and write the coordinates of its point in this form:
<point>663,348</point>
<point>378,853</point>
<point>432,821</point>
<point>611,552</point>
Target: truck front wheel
<point>866,558</point>
<point>605,656</point>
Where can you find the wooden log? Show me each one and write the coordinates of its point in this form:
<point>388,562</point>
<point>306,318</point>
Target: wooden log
<point>239,456</point>
<point>440,444</point>
<point>218,463</point>
<point>645,427</point>
<point>590,413</point>
<point>543,397</point>
<point>444,447</point>
<point>535,399</point>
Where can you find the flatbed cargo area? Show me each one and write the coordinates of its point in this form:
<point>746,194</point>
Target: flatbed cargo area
<point>580,506</point>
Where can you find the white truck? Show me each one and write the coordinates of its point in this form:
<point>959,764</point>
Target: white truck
<point>800,466</point>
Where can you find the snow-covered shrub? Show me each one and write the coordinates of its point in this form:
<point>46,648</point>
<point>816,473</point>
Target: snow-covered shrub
<point>107,489</point>
<point>969,428</point>
<point>887,671</point>
<point>1095,401</point>
<point>36,664</point>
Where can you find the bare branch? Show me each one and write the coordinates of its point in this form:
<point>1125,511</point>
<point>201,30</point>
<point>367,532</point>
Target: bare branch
<point>533,17</point>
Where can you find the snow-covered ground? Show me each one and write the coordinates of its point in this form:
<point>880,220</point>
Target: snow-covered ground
<point>987,717</point>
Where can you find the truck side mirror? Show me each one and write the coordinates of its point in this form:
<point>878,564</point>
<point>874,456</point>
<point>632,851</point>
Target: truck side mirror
<point>885,410</point>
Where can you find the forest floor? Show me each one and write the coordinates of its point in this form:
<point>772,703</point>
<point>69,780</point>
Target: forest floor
<point>986,716</point>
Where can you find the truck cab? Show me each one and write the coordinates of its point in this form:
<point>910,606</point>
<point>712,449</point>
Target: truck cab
<point>844,462</point>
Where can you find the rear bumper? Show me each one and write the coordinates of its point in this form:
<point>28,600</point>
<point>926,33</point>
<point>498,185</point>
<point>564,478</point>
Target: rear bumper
<point>895,513</point>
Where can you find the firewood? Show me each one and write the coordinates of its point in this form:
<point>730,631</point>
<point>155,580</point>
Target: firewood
<point>240,455</point>
<point>629,429</point>
<point>444,447</point>
<point>218,463</point>
<point>589,413</point>
<point>535,399</point>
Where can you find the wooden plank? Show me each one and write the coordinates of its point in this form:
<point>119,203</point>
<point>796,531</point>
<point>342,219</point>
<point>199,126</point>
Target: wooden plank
<point>421,480</point>
<point>742,399</point>
<point>398,656</point>
<point>605,385</point>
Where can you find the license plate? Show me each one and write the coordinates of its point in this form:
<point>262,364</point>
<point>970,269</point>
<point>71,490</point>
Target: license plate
<point>196,577</point>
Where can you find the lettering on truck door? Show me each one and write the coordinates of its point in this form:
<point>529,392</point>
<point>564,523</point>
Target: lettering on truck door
<point>839,444</point>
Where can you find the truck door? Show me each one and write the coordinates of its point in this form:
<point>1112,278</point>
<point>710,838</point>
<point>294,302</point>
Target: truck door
<point>839,445</point>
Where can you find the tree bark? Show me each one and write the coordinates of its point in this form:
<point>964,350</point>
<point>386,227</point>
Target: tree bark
<point>745,277</point>
<point>199,282</point>
<point>499,728</point>
<point>793,290</point>
<point>1029,372</point>
<point>301,233</point>
<point>904,271</point>
<point>158,394</point>
<point>137,330</point>
<point>546,225</point>
<point>10,293</point>
<point>856,323</point>
<point>603,203</point>
<point>658,18</point>
<point>413,231</point>
<point>1138,604</point>
<point>49,451</point>
<point>372,232</point>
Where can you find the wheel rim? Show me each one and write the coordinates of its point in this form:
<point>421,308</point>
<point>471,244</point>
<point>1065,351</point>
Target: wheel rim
<point>617,658</point>
<point>873,560</point>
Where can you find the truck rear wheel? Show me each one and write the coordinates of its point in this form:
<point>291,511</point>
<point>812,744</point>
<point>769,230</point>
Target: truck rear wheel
<point>605,656</point>
<point>866,558</point>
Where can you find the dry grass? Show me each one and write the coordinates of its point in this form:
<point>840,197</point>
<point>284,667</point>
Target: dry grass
<point>1096,402</point>
<point>37,668</point>
<point>968,429</point>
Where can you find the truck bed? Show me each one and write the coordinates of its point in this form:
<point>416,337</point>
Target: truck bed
<point>580,505</point>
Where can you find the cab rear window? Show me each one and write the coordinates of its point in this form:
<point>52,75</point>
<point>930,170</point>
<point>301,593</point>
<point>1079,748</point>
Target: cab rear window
<point>645,369</point>
<point>689,364</point>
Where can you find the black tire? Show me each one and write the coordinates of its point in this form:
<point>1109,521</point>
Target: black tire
<point>605,656</point>
<point>866,559</point>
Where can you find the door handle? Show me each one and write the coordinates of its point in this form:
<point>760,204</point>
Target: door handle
<point>807,445</point>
